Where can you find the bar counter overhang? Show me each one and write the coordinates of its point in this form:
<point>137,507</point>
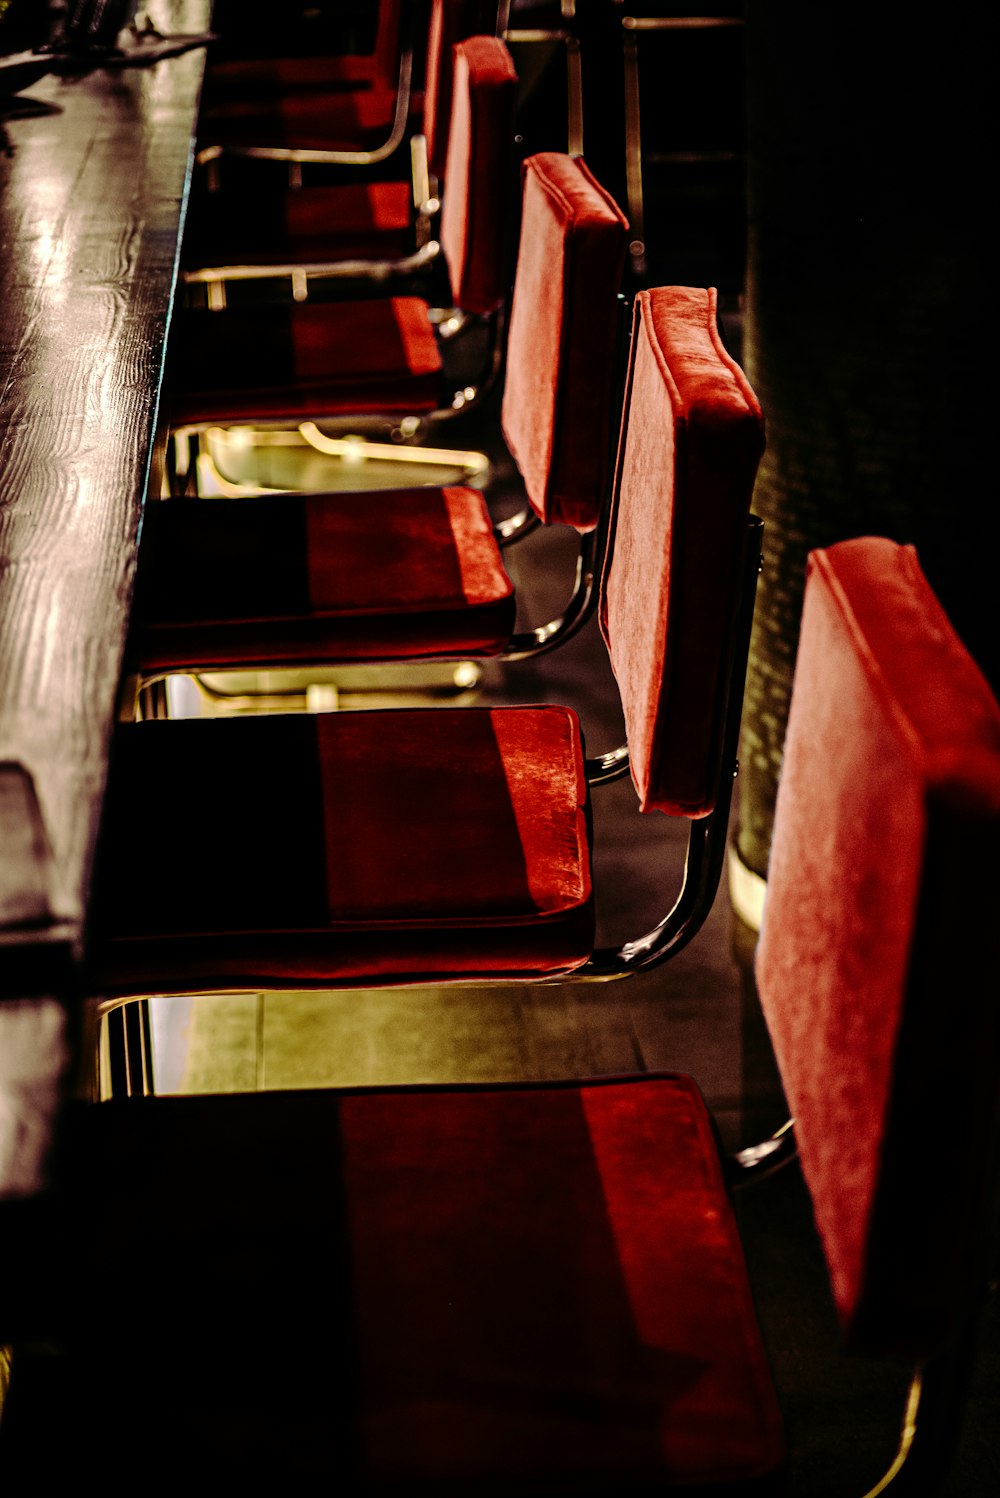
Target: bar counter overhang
<point>93,187</point>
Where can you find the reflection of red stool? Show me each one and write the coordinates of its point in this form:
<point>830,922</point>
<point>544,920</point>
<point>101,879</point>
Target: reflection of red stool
<point>445,843</point>
<point>298,579</point>
<point>232,76</point>
<point>282,111</point>
<point>284,364</point>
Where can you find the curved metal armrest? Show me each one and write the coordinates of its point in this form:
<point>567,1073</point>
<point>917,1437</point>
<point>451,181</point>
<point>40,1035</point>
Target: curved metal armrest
<point>702,869</point>
<point>581,605</point>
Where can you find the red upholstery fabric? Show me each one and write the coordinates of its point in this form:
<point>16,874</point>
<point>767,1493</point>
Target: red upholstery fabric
<point>451,21</point>
<point>550,1292</point>
<point>557,398</point>
<point>693,438</point>
<point>303,359</point>
<point>515,1289</point>
<point>297,577</point>
<point>311,224</point>
<point>879,960</point>
<point>389,846</point>
<point>480,157</point>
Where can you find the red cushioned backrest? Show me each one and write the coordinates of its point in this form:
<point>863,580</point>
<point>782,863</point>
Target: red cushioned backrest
<point>451,21</point>
<point>480,157</point>
<point>558,388</point>
<point>878,963</point>
<point>692,439</point>
<point>387,41</point>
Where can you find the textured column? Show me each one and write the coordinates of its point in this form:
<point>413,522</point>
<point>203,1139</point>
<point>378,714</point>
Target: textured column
<point>868,321</point>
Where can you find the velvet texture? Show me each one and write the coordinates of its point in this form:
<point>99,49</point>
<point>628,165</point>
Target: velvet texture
<point>878,964</point>
<point>531,1288</point>
<point>480,157</point>
<point>693,439</point>
<point>302,359</point>
<point>560,353</point>
<point>390,846</point>
<point>451,21</point>
<point>312,224</point>
<point>304,577</point>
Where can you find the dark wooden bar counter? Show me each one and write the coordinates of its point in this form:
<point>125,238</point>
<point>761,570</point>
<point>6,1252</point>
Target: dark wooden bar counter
<point>94,173</point>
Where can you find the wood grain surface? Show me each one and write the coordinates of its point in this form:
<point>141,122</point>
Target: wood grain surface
<point>94,172</point>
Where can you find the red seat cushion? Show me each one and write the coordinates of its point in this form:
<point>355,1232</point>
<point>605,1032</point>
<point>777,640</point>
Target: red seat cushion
<point>879,960</point>
<point>303,359</point>
<point>556,413</point>
<point>515,1289</point>
<point>297,577</point>
<point>693,439</point>
<point>346,848</point>
<point>310,224</point>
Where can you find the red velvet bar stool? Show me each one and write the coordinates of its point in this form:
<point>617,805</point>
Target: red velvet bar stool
<point>302,579</point>
<point>878,969</point>
<point>540,1287</point>
<point>410,846</point>
<point>250,229</point>
<point>377,359</point>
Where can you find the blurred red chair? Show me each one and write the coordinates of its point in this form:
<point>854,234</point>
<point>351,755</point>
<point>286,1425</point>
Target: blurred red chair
<point>376,358</point>
<point>234,72</point>
<point>540,1287</point>
<point>291,119</point>
<point>293,579</point>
